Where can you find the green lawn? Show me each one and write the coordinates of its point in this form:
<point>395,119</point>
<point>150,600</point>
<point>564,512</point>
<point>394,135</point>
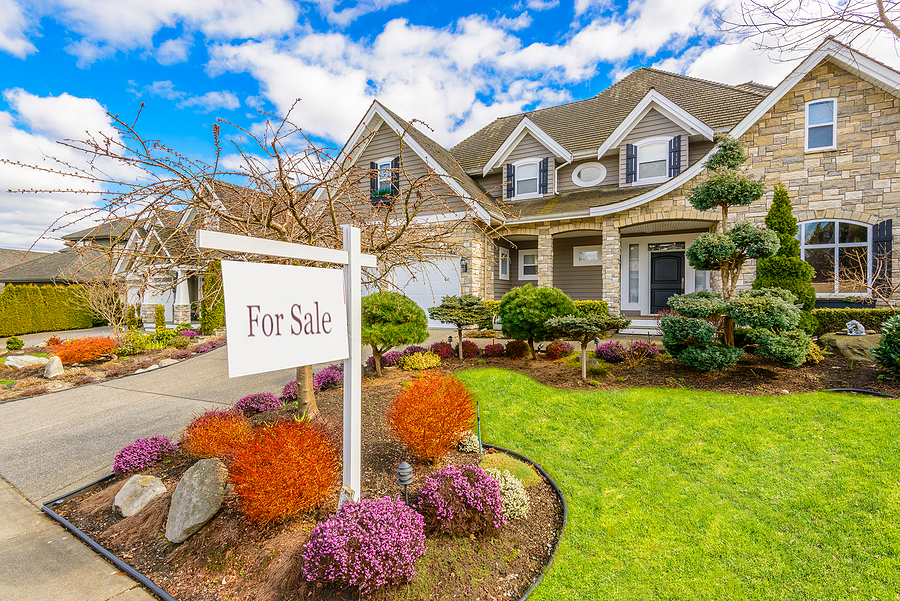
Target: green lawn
<point>678,494</point>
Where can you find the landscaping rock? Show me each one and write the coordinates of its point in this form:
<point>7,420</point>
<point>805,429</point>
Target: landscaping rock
<point>167,362</point>
<point>196,499</point>
<point>19,361</point>
<point>854,348</point>
<point>591,362</point>
<point>53,368</point>
<point>137,492</point>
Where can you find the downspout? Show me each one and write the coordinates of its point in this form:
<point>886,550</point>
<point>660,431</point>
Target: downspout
<point>556,176</point>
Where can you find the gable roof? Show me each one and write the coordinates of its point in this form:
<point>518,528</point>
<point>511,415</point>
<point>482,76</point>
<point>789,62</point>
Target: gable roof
<point>525,126</point>
<point>11,256</point>
<point>112,230</point>
<point>60,267</point>
<point>583,126</point>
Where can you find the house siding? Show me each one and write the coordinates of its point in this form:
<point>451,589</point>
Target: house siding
<point>501,287</point>
<point>654,124</point>
<point>698,150</point>
<point>580,283</point>
<point>612,173</point>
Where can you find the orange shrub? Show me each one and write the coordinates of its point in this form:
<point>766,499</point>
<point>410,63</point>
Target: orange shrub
<point>82,350</point>
<point>430,416</point>
<point>54,341</point>
<point>215,433</point>
<point>283,470</point>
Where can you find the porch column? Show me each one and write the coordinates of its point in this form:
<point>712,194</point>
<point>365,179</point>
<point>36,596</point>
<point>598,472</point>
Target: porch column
<point>545,258</point>
<point>612,259</point>
<point>181,308</point>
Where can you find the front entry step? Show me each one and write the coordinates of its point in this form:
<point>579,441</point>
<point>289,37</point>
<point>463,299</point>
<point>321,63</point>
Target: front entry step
<point>642,326</point>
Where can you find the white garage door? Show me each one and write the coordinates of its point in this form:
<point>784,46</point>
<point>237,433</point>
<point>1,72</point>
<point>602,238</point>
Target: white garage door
<point>428,284</point>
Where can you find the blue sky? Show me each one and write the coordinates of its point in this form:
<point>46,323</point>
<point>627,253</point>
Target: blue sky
<point>454,65</point>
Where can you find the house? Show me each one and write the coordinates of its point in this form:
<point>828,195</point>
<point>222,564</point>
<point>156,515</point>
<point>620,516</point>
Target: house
<point>10,257</point>
<point>590,196</point>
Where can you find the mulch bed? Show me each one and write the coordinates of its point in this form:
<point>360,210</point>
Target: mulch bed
<point>232,559</point>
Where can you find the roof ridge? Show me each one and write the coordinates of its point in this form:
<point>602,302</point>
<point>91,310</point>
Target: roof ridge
<point>692,78</point>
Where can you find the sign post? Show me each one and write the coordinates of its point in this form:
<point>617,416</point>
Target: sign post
<point>269,322</point>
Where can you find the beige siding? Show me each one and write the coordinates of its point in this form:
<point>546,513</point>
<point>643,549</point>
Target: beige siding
<point>529,148</point>
<point>493,184</point>
<point>699,150</point>
<point>652,125</point>
<point>385,143</point>
<point>612,173</point>
<point>501,287</point>
<point>580,283</point>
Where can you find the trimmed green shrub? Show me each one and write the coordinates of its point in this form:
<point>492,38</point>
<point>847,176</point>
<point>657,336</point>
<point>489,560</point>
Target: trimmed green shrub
<point>29,308</point>
<point>461,311</point>
<point>132,321</point>
<point>700,304</point>
<point>14,343</point>
<point>212,307</point>
<point>591,307</point>
<point>711,357</point>
<point>418,361</point>
<point>835,320</point>
<point>584,328</point>
<point>787,348</point>
<point>390,319</point>
<point>178,341</point>
<point>771,308</point>
<point>160,316</point>
<point>524,311</point>
<point>887,353</point>
<point>680,332</point>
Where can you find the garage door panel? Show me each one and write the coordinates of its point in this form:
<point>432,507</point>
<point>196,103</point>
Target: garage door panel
<point>426,284</point>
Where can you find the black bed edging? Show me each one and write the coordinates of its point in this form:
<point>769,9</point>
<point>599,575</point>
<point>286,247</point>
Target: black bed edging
<point>156,590</point>
<point>110,557</point>
<point>858,391</point>
<point>565,513</point>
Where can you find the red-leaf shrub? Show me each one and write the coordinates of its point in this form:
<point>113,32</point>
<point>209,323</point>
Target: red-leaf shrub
<point>470,350</point>
<point>559,349</point>
<point>215,433</point>
<point>283,470</point>
<point>430,416</point>
<point>442,349</point>
<point>461,500</point>
<point>495,350</point>
<point>517,349</point>
<point>54,341</point>
<point>368,543</point>
<point>82,350</point>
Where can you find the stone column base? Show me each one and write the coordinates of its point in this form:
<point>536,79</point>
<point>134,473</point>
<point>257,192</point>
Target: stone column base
<point>181,314</point>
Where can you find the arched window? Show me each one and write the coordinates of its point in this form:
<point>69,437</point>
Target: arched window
<point>845,244</point>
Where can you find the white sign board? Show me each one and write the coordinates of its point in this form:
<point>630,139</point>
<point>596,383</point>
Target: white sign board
<point>281,316</point>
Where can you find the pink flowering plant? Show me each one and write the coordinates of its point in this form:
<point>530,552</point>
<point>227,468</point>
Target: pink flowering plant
<point>388,359</point>
<point>611,352</point>
<point>442,349</point>
<point>461,500</point>
<point>142,453</point>
<point>258,402</point>
<point>495,350</point>
<point>330,376</point>
<point>470,350</point>
<point>368,544</point>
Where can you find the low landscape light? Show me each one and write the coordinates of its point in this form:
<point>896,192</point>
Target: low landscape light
<point>404,479</point>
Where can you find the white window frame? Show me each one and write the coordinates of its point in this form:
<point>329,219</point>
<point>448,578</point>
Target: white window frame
<point>837,245</point>
<point>806,125</point>
<point>596,182</point>
<point>504,257</point>
<point>576,262</point>
<point>537,164</point>
<point>648,142</point>
<point>382,182</point>
<point>522,254</point>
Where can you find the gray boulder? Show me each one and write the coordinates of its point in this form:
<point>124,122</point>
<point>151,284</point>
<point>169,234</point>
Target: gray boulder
<point>19,361</point>
<point>196,499</point>
<point>854,348</point>
<point>137,493</point>
<point>53,368</point>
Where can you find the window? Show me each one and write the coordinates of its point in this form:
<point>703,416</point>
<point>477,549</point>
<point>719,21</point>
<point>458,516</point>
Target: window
<point>821,124</point>
<point>528,268</point>
<point>633,273</point>
<point>824,244</point>
<point>384,174</point>
<point>588,174</point>
<point>586,255</point>
<point>504,263</point>
<point>526,179</point>
<point>652,161</point>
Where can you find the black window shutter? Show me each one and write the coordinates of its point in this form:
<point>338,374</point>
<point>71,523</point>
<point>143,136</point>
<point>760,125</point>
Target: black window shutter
<point>373,177</point>
<point>510,180</point>
<point>674,156</point>
<point>542,175</point>
<point>630,163</point>
<point>395,177</point>
<point>882,242</point>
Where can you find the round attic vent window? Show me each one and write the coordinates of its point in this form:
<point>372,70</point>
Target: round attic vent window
<point>588,174</point>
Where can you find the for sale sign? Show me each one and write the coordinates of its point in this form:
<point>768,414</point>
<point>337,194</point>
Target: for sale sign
<point>281,316</point>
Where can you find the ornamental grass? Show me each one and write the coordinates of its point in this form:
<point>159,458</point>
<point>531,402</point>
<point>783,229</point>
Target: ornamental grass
<point>215,433</point>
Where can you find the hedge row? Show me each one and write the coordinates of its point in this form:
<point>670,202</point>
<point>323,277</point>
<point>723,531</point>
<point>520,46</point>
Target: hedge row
<point>29,308</point>
<point>835,320</point>
<point>585,307</point>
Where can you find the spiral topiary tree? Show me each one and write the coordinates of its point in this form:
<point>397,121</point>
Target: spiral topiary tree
<point>461,311</point>
<point>390,319</point>
<point>524,311</point>
<point>786,269</point>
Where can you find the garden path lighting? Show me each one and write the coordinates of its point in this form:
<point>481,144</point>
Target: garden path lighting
<point>450,339</point>
<point>404,479</point>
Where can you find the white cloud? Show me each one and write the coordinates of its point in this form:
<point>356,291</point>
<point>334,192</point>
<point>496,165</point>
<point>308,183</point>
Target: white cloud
<point>212,101</point>
<point>541,4</point>
<point>523,21</point>
<point>347,14</point>
<point>174,51</point>
<point>12,30</point>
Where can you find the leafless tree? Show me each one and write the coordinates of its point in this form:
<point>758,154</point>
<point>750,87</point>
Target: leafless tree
<point>273,183</point>
<point>789,27</point>
<point>854,277</point>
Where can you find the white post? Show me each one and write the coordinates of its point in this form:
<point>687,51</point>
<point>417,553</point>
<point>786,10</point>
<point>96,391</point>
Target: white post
<point>353,364</point>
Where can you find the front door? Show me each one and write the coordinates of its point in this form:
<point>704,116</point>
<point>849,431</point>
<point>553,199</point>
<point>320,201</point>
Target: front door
<point>666,278</point>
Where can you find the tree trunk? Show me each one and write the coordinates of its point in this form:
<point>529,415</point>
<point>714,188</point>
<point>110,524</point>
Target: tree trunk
<point>724,218</point>
<point>306,396</point>
<point>728,331</point>
<point>531,346</point>
<point>376,354</point>
<point>584,361</point>
<point>459,338</point>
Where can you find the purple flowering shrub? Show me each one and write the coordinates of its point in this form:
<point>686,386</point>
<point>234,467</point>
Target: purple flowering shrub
<point>142,453</point>
<point>189,334</point>
<point>389,359</point>
<point>442,349</point>
<point>182,354</point>
<point>413,349</point>
<point>368,543</point>
<point>495,350</point>
<point>329,377</point>
<point>559,349</point>
<point>461,500</point>
<point>611,352</point>
<point>258,402</point>
<point>642,349</point>
<point>85,380</point>
<point>470,350</point>
<point>289,392</point>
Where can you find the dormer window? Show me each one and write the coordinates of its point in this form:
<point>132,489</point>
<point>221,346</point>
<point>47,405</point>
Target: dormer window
<point>653,160</point>
<point>526,179</point>
<point>384,180</point>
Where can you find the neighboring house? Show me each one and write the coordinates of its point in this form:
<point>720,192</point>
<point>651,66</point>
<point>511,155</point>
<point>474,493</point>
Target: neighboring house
<point>10,257</point>
<point>590,196</point>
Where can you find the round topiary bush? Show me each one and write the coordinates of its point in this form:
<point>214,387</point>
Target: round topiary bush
<point>525,310</point>
<point>442,349</point>
<point>711,357</point>
<point>390,319</point>
<point>142,453</point>
<point>470,350</point>
<point>494,350</point>
<point>515,497</point>
<point>887,353</point>
<point>420,361</point>
<point>257,403</point>
<point>282,470</point>
<point>516,349</point>
<point>559,349</point>
<point>368,544</point>
<point>215,433</point>
<point>461,501</point>
<point>14,343</point>
<point>787,348</point>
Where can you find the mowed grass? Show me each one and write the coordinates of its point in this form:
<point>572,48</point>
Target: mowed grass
<point>678,494</point>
